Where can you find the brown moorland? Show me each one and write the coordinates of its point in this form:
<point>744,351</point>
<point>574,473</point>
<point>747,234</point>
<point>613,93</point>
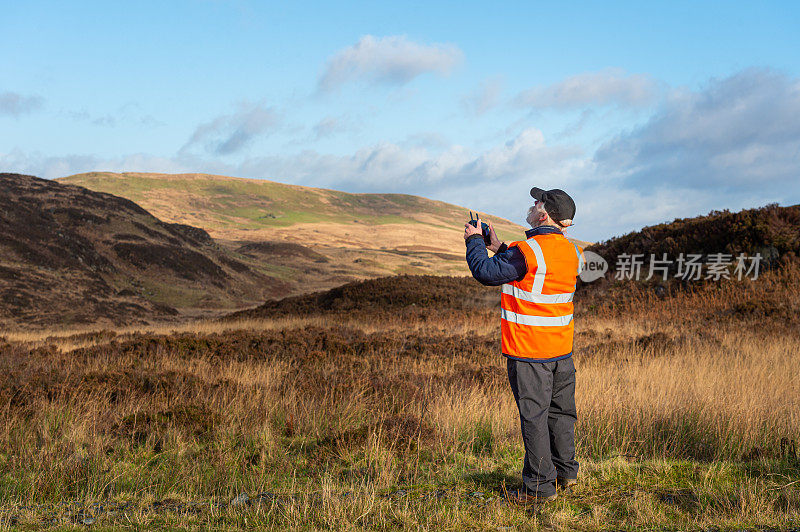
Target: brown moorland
<point>384,405</point>
<point>400,416</point>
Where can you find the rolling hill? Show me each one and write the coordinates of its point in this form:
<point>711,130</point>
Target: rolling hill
<point>240,209</point>
<point>69,255</point>
<point>311,237</point>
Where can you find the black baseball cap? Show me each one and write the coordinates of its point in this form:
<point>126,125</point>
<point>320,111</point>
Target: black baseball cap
<point>557,203</point>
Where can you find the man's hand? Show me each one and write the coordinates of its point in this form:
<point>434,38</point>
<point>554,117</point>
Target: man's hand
<point>470,229</point>
<point>496,243</point>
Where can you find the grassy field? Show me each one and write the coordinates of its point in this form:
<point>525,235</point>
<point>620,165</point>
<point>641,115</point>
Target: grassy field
<point>689,413</point>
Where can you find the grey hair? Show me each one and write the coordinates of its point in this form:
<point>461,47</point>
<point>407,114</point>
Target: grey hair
<point>537,209</point>
<point>534,213</point>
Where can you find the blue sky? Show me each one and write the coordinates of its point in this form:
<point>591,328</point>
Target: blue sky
<point>644,112</point>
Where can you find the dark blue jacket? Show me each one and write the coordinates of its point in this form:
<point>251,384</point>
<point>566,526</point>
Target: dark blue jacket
<point>507,265</point>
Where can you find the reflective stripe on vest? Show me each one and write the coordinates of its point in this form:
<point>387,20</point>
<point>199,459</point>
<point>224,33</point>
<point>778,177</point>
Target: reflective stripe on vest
<point>536,321</point>
<point>543,299</point>
<point>541,267</point>
<point>537,311</point>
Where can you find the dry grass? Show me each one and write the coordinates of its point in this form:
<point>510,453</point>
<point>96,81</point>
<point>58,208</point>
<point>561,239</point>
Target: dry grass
<point>687,417</point>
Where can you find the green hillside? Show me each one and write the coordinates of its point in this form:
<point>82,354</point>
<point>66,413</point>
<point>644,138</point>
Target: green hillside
<point>344,237</point>
<point>227,205</point>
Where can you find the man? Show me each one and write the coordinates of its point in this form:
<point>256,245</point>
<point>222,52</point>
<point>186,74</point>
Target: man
<point>538,277</point>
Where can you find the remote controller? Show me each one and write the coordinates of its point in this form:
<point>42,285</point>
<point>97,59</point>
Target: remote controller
<point>473,221</point>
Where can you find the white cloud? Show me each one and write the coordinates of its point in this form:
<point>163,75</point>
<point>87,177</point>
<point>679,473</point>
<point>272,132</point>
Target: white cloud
<point>606,87</point>
<point>15,104</point>
<point>51,167</point>
<point>130,113</point>
<point>391,60</point>
<point>426,139</point>
<point>412,167</point>
<point>737,134</point>
<point>577,126</point>
<point>228,134</point>
<point>332,125</point>
<point>484,98</point>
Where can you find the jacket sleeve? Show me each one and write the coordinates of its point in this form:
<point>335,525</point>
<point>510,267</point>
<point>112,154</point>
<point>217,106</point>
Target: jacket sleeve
<point>506,266</point>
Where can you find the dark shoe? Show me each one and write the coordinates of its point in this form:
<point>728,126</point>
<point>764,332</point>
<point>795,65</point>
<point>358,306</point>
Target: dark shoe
<point>526,498</point>
<point>566,483</point>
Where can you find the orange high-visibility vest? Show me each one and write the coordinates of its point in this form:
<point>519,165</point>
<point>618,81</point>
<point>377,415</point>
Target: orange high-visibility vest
<point>536,312</point>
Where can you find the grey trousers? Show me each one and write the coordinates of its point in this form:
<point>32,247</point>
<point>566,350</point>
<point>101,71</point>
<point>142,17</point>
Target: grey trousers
<point>545,396</point>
